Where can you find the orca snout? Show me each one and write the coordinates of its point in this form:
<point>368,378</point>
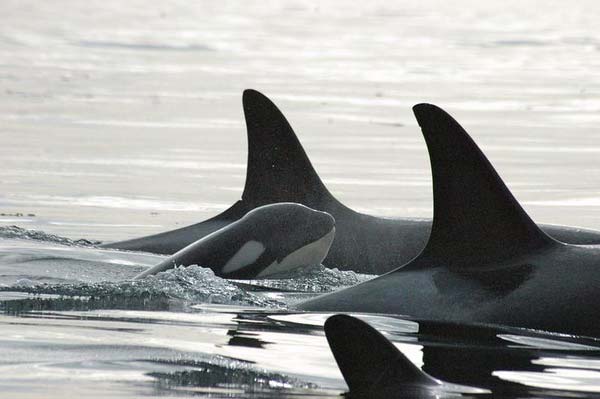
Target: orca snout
<point>324,222</point>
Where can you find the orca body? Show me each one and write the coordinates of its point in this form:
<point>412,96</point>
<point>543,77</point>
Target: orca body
<point>374,368</point>
<point>279,170</point>
<point>486,260</point>
<point>268,240</point>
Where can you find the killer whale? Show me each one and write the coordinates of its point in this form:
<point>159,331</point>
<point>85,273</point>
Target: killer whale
<point>374,368</point>
<point>268,240</point>
<point>278,170</point>
<point>486,261</point>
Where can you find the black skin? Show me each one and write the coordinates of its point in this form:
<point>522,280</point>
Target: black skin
<point>280,171</point>
<point>280,228</point>
<point>486,260</point>
<point>458,359</point>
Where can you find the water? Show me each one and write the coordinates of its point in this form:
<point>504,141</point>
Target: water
<point>74,323</point>
<point>120,120</point>
<point>186,332</point>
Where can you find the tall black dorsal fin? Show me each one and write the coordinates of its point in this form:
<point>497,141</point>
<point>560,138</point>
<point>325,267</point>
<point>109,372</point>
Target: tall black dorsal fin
<point>367,359</point>
<point>475,216</point>
<point>278,168</point>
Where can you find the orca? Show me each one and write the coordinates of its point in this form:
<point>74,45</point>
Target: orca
<point>269,240</point>
<point>486,261</point>
<point>374,368</point>
<point>278,170</point>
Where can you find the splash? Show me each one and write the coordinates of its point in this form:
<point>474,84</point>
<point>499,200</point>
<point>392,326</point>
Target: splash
<point>25,234</point>
<point>317,279</point>
<point>174,288</point>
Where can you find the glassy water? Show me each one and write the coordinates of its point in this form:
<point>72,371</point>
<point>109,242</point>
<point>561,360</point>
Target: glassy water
<point>73,323</point>
<point>121,120</point>
<point>124,119</point>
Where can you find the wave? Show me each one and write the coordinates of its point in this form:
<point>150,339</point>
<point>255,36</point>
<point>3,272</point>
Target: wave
<point>316,280</point>
<point>171,289</point>
<point>224,372</point>
<point>9,232</point>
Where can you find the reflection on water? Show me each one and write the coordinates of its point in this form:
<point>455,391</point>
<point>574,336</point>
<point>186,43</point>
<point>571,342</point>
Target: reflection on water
<point>188,332</point>
<point>245,353</point>
<point>124,119</point>
<point>136,107</point>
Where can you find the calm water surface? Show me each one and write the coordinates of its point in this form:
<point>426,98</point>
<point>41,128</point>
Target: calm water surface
<point>119,120</point>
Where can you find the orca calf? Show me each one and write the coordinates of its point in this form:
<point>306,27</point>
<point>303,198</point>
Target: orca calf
<point>278,170</point>
<point>486,260</point>
<point>374,368</point>
<point>268,240</point>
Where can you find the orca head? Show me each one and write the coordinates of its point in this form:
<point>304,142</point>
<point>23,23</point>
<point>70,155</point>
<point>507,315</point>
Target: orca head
<point>286,236</point>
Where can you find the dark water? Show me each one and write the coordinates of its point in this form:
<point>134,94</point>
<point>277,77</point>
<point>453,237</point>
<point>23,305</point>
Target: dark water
<point>73,324</point>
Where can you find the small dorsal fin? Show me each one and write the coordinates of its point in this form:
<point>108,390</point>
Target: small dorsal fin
<point>367,359</point>
<point>475,216</point>
<point>278,168</point>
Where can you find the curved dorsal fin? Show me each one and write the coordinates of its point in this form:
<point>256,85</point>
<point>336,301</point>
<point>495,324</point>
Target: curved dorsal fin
<point>278,168</point>
<point>475,216</point>
<point>367,359</point>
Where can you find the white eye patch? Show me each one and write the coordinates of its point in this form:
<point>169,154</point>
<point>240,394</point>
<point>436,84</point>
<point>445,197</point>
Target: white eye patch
<point>246,255</point>
<point>312,254</point>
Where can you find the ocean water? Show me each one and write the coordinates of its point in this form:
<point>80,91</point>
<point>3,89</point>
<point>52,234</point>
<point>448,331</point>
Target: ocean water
<point>75,324</point>
<point>121,119</point>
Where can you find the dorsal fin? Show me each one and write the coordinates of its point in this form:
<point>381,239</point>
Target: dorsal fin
<point>367,359</point>
<point>475,217</point>
<point>278,168</point>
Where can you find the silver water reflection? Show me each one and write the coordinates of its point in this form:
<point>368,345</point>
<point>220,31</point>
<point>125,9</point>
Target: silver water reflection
<point>121,120</point>
<point>124,119</point>
<point>225,351</point>
<point>71,322</point>
<point>185,332</point>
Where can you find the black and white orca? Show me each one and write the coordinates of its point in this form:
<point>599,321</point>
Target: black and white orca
<point>279,170</point>
<point>486,261</point>
<point>374,368</point>
<point>268,240</point>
